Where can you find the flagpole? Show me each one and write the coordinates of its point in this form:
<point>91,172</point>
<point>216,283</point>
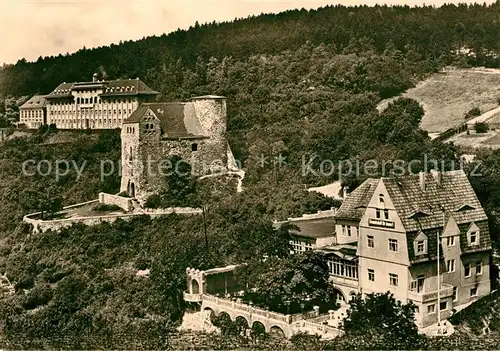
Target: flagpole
<point>439,282</point>
<point>439,272</point>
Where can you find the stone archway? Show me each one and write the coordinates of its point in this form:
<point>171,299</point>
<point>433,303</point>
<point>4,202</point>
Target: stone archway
<point>241,325</point>
<point>222,320</point>
<point>277,332</point>
<point>208,314</point>
<point>258,329</point>
<point>339,296</point>
<point>195,287</point>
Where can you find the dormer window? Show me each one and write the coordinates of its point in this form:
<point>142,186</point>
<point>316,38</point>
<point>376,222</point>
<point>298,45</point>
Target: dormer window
<point>420,244</point>
<point>473,238</point>
<point>473,235</point>
<point>418,214</point>
<point>465,207</point>
<point>420,247</point>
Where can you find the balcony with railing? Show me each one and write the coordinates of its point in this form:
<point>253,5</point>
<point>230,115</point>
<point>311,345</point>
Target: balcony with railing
<point>192,297</point>
<point>430,295</point>
<point>350,282</point>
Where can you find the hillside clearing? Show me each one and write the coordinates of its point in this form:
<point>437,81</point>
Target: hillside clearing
<point>448,95</point>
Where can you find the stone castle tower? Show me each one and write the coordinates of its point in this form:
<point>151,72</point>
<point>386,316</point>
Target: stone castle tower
<point>194,130</point>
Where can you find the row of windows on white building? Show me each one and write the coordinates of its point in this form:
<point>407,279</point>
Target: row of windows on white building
<point>338,267</point>
<point>421,245</point>
<point>32,114</point>
<point>91,112</point>
<point>90,100</point>
<point>342,268</point>
<point>444,304</point>
<point>451,266</point>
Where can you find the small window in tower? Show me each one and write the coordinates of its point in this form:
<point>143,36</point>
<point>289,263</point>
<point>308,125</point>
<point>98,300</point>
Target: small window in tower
<point>194,147</point>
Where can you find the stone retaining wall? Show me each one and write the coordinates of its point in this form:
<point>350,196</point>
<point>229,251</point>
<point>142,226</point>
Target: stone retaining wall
<point>124,203</point>
<point>40,226</point>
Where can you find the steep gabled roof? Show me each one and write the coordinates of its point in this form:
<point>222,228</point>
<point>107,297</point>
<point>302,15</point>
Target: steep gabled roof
<point>450,205</point>
<point>354,206</point>
<point>37,101</point>
<point>453,193</point>
<point>177,119</point>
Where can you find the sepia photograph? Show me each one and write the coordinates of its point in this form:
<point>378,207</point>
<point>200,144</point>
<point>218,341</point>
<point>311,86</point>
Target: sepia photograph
<point>300,175</point>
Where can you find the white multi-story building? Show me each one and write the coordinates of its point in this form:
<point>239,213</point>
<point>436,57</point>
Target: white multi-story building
<point>96,105</point>
<point>33,112</point>
<point>387,235</point>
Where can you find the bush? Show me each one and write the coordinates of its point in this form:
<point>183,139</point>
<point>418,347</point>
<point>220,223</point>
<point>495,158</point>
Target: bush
<point>52,128</point>
<point>38,297</point>
<point>4,123</point>
<point>473,112</point>
<point>43,129</point>
<point>123,194</point>
<point>25,282</point>
<point>304,341</point>
<point>153,201</point>
<point>481,127</point>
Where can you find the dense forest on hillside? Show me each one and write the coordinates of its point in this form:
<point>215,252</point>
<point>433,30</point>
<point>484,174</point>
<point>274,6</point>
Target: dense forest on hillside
<point>298,84</point>
<point>424,33</point>
<point>78,288</point>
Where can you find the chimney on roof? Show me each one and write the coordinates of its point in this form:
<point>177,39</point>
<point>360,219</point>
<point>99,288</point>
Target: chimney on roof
<point>422,180</point>
<point>94,77</point>
<point>345,191</point>
<point>438,176</point>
